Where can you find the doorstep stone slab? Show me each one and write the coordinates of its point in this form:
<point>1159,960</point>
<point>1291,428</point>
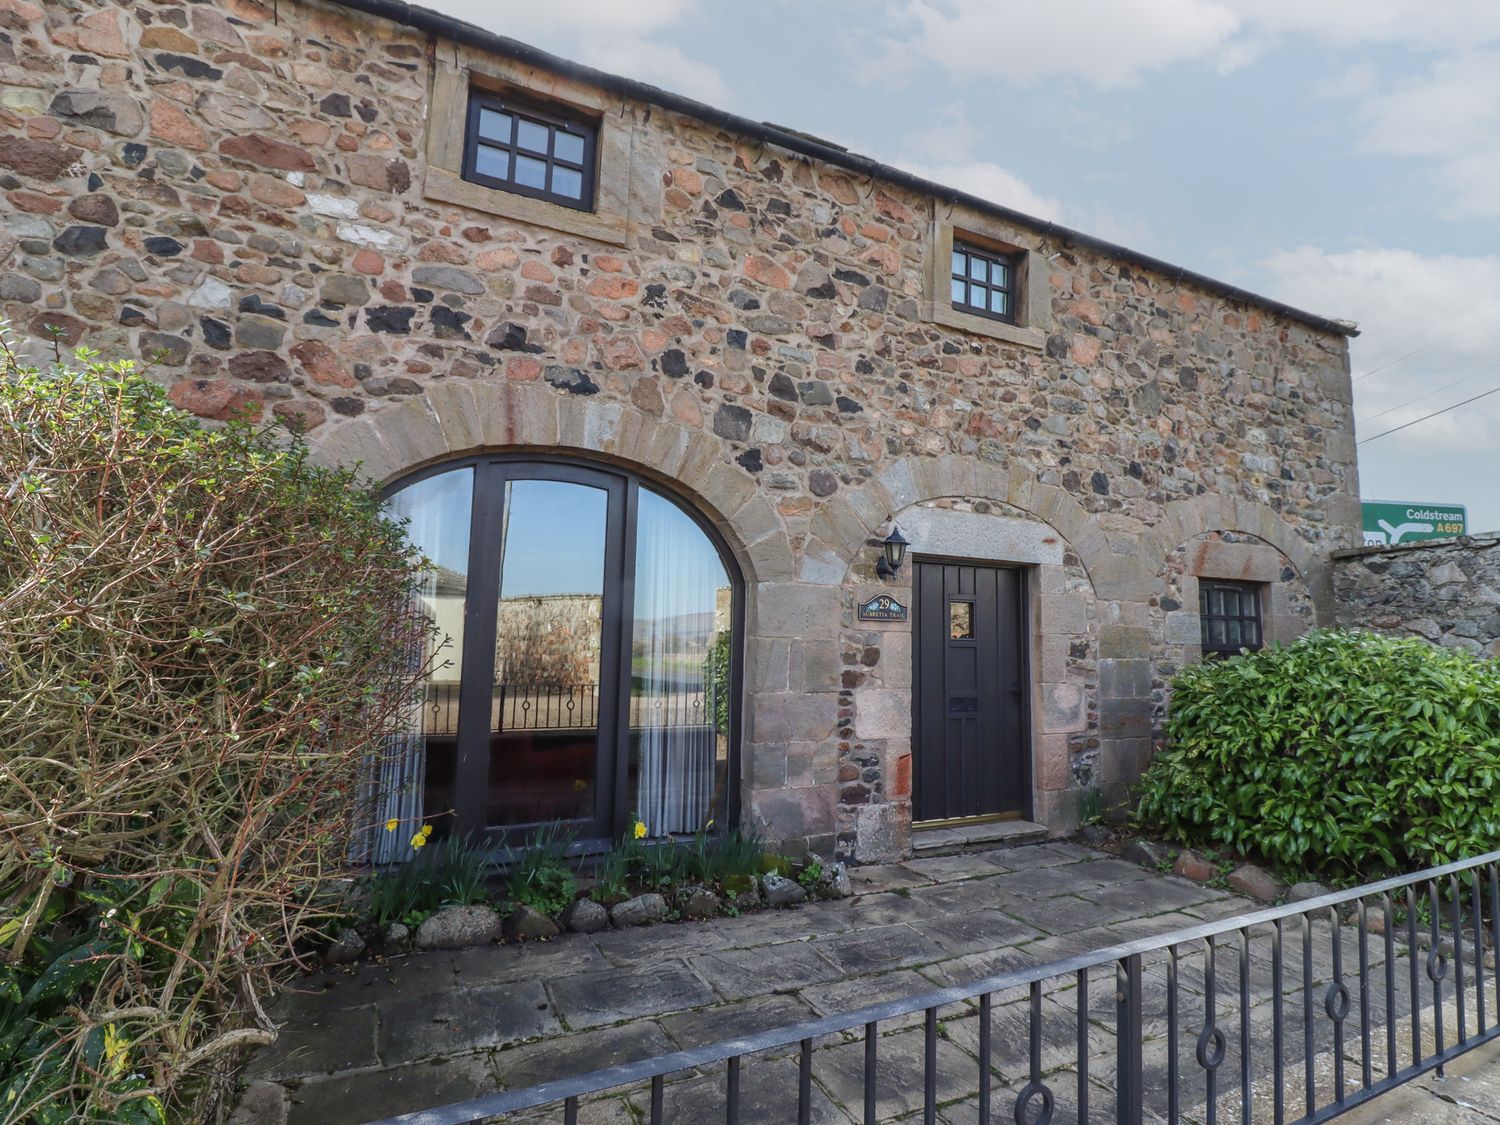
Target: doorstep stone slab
<point>595,999</point>
<point>463,1020</point>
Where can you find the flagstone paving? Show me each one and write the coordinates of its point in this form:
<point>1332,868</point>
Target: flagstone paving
<point>427,1029</point>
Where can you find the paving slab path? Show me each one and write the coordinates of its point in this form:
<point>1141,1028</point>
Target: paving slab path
<point>431,1028</point>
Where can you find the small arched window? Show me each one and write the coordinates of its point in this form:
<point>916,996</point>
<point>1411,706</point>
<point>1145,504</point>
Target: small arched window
<point>587,656</point>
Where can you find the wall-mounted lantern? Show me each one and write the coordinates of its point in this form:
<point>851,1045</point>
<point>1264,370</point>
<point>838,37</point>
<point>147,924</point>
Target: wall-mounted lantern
<point>893,554</point>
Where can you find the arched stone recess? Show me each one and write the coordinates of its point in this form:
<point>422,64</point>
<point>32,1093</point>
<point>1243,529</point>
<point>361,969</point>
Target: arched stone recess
<point>874,743</point>
<point>790,681</point>
<point>1288,607</point>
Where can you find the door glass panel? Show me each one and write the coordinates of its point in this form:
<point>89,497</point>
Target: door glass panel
<point>960,620</point>
<point>544,713</point>
<point>680,660</point>
<point>418,780</point>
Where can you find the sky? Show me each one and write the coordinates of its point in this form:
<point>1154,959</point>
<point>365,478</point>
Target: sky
<point>1342,156</point>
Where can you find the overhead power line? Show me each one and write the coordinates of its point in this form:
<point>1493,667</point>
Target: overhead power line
<point>1414,351</point>
<point>1434,414</point>
<point>1429,394</point>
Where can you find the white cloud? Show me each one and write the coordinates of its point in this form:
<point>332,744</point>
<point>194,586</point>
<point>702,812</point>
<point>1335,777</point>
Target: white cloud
<point>1449,116</point>
<point>1112,43</point>
<point>660,64</point>
<point>990,181</point>
<point>608,34</point>
<point>1440,312</point>
<point>1428,321</point>
<point>1109,42</point>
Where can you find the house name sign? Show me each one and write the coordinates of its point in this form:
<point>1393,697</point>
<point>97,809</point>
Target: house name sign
<point>882,607</point>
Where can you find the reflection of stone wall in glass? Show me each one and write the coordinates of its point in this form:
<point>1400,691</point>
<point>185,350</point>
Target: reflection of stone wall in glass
<point>548,639</point>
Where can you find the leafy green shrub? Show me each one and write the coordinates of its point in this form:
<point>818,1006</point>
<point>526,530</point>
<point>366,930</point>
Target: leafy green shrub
<point>196,629</point>
<point>540,876</point>
<point>1346,753</point>
<point>451,873</point>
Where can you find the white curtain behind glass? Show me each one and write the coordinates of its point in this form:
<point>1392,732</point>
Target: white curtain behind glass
<point>681,604</point>
<point>437,513</point>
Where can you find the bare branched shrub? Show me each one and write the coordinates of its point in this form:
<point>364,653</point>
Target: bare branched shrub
<point>196,639</point>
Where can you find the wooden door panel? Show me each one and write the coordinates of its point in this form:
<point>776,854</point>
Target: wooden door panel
<point>969,738</point>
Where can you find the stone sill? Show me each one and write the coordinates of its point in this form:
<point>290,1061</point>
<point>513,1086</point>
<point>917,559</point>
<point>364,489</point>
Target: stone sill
<point>1020,335</point>
<point>444,187</point>
<point>1006,833</point>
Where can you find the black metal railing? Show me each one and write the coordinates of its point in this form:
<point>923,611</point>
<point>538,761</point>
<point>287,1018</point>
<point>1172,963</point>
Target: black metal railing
<point>544,707</point>
<point>1330,1003</point>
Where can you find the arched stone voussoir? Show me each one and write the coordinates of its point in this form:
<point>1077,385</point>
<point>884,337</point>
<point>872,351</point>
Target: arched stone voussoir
<point>458,418</point>
<point>1203,514</point>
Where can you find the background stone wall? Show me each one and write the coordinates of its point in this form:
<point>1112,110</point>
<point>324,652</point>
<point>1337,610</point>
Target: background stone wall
<point>1445,591</point>
<point>242,194</point>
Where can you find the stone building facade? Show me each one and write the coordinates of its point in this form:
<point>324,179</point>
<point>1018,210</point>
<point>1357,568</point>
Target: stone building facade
<point>1446,591</point>
<point>267,201</point>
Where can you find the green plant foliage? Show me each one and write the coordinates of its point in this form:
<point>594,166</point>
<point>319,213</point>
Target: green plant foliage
<point>452,873</point>
<point>1342,753</point>
<point>196,629</point>
<point>540,876</point>
<point>810,874</point>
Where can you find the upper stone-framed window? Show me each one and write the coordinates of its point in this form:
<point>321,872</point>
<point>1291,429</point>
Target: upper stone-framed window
<point>983,282</point>
<point>1229,614</point>
<point>518,148</point>
<point>983,277</point>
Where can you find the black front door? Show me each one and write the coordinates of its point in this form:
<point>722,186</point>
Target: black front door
<point>969,722</point>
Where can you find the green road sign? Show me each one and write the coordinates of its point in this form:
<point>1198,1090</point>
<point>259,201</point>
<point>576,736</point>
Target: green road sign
<point>1389,522</point>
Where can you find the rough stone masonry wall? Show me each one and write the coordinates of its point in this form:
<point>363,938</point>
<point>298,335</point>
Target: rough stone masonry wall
<point>1446,591</point>
<point>241,192</point>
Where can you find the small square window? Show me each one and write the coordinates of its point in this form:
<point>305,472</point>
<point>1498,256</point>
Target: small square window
<point>984,282</point>
<point>531,152</point>
<point>1229,615</point>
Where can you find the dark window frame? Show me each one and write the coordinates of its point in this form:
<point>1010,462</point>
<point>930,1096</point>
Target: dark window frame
<point>1252,621</point>
<point>554,121</point>
<point>1011,262</point>
<point>611,815</point>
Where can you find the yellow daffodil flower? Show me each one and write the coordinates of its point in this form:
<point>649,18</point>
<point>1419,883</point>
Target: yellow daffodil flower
<point>639,830</point>
<point>419,840</point>
<point>390,825</point>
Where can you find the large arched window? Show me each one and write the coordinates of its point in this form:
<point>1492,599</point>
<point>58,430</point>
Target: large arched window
<point>588,656</point>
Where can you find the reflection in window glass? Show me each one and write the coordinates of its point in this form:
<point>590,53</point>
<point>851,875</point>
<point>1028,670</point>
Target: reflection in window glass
<point>436,511</point>
<point>492,162</point>
<point>680,660</point>
<point>494,126</point>
<point>530,173</point>
<point>531,136</point>
<point>544,717</point>
<point>567,182</point>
